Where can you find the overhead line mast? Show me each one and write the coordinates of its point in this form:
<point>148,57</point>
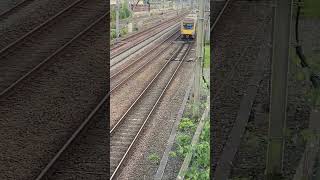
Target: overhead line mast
<point>278,105</point>
<point>200,29</point>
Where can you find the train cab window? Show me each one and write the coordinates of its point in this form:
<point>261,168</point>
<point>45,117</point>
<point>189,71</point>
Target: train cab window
<point>188,25</point>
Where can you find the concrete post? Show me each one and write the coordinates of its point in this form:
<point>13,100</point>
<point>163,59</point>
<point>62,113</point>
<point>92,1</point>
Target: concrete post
<point>277,121</point>
<point>200,28</point>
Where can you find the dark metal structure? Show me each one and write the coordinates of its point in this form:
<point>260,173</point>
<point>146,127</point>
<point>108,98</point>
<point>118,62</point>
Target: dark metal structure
<point>280,55</point>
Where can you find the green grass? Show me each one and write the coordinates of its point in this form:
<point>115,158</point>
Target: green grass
<point>123,32</point>
<point>311,8</point>
<point>207,57</point>
<point>187,124</point>
<point>314,62</point>
<point>123,13</point>
<point>200,164</point>
<point>154,158</point>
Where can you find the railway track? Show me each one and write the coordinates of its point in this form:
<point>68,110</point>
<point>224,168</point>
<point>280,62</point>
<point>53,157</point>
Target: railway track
<point>55,92</point>
<point>88,157</point>
<point>136,39</point>
<point>138,34</point>
<point>139,71</point>
<point>125,73</point>
<point>140,48</point>
<point>129,127</point>
<point>238,76</point>
<point>43,43</point>
<point>29,16</point>
<point>13,9</point>
<point>90,134</point>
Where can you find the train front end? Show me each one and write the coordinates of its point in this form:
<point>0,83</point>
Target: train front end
<point>188,28</point>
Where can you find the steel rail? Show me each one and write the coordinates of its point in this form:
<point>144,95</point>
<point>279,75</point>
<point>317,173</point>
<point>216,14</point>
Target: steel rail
<point>136,71</point>
<point>134,43</point>
<point>220,14</point>
<point>13,8</point>
<point>84,123</point>
<point>145,89</point>
<point>51,56</point>
<point>173,27</point>
<point>133,35</point>
<point>11,45</point>
<point>138,34</point>
<point>152,110</point>
<point>116,54</point>
<point>144,55</point>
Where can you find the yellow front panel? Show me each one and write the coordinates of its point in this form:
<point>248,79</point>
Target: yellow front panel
<point>187,31</point>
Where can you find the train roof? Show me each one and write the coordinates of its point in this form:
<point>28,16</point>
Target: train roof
<point>190,18</point>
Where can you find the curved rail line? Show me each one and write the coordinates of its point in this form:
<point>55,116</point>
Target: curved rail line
<point>170,28</point>
<point>134,137</point>
<point>145,33</point>
<point>142,66</point>
<point>112,65</point>
<point>85,123</point>
<point>11,10</point>
<point>141,33</point>
<point>29,73</point>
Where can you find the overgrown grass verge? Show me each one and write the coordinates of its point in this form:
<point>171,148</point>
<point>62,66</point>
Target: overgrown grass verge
<point>199,167</point>
<point>200,163</point>
<point>123,32</point>
<point>312,95</point>
<point>207,56</point>
<point>124,12</point>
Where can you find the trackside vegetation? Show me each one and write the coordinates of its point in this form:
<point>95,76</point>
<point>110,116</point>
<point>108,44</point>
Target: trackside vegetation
<point>200,163</point>
<point>124,13</point>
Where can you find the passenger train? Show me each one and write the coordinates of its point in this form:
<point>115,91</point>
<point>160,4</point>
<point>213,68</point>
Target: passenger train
<point>188,26</point>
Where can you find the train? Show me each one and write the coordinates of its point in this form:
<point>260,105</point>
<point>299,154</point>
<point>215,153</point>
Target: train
<point>188,27</point>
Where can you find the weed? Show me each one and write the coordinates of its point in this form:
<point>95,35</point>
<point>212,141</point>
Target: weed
<point>183,142</point>
<point>187,124</point>
<point>154,158</point>
<point>200,166</point>
<point>172,154</point>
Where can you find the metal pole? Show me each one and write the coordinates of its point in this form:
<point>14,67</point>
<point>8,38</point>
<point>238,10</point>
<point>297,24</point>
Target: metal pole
<point>117,19</point>
<point>280,55</point>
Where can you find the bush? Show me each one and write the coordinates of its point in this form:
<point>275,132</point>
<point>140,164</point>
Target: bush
<point>124,12</point>
<point>200,166</point>
<point>183,141</point>
<point>123,32</point>
<point>113,33</point>
<point>187,124</point>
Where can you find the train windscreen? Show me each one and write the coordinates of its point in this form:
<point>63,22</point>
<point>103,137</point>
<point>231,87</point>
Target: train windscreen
<point>188,25</point>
